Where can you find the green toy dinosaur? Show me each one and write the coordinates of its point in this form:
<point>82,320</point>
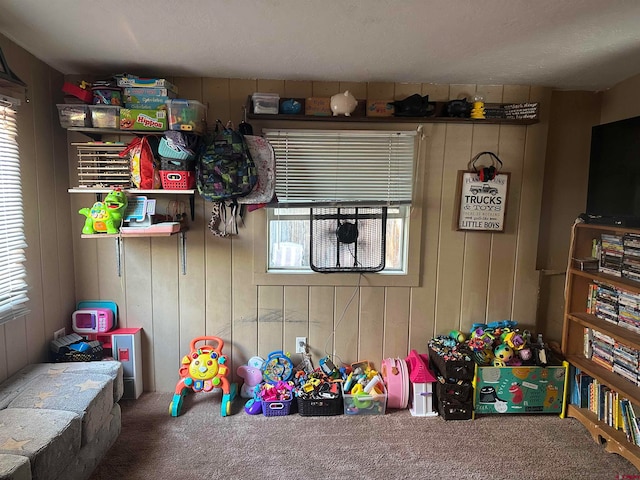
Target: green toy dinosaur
<point>105,216</point>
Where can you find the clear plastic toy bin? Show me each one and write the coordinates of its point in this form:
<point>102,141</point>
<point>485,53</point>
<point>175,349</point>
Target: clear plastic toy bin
<point>365,403</point>
<point>265,103</point>
<point>105,116</point>
<point>74,115</point>
<point>186,115</point>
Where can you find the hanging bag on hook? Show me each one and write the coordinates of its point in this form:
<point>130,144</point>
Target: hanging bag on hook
<point>264,157</point>
<point>486,173</point>
<point>225,172</point>
<point>245,128</point>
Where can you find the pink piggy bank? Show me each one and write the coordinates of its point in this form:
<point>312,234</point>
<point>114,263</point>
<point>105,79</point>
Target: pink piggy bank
<point>343,104</point>
<point>252,376</point>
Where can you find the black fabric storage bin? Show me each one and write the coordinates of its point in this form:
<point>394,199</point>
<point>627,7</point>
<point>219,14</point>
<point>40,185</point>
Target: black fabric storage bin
<point>461,392</point>
<point>452,369</point>
<point>454,410</point>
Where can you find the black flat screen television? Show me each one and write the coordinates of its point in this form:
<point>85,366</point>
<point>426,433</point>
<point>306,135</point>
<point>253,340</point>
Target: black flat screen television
<point>613,195</point>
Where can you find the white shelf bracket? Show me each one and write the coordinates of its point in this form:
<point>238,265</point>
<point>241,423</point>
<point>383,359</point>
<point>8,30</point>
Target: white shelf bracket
<point>119,255</point>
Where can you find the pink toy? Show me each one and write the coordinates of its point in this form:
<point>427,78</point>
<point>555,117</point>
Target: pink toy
<point>276,392</point>
<point>396,377</point>
<point>422,381</point>
<point>252,376</point>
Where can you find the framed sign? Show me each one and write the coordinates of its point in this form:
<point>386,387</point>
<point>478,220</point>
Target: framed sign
<point>481,206</point>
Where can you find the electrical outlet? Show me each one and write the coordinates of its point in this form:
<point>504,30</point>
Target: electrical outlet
<point>59,333</point>
<point>301,344</point>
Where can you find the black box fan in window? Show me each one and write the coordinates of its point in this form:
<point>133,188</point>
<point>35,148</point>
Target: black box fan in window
<point>348,239</point>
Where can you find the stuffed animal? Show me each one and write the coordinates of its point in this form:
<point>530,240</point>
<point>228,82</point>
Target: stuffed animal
<point>105,216</point>
<point>252,376</point>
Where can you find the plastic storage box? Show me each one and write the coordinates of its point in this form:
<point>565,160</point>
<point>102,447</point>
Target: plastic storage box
<point>186,115</point>
<point>365,404</point>
<point>312,407</point>
<point>524,389</point>
<point>107,96</point>
<point>276,408</point>
<point>266,103</point>
<point>105,116</point>
<point>178,179</point>
<point>74,115</point>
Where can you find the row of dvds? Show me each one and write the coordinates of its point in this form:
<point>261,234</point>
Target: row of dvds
<point>612,355</point>
<point>631,257</point>
<point>619,255</point>
<point>614,305</point>
<point>611,252</point>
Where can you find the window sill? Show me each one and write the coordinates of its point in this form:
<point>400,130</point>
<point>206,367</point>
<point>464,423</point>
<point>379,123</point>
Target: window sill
<point>337,279</point>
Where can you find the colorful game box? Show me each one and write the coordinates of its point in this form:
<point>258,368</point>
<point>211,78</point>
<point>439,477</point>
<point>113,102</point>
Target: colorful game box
<point>135,119</point>
<point>525,389</point>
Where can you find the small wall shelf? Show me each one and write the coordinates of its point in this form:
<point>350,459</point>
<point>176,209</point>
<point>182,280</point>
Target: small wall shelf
<point>359,115</point>
<point>137,191</point>
<point>119,237</point>
<point>97,133</point>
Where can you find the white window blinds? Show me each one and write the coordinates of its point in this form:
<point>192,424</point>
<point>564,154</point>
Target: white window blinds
<point>13,285</point>
<point>343,167</point>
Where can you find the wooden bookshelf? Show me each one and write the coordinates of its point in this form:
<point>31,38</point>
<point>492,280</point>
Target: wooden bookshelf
<point>616,442</point>
<point>576,319</point>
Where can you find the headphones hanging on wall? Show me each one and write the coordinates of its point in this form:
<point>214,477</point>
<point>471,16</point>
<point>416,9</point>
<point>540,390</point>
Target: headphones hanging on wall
<point>487,173</point>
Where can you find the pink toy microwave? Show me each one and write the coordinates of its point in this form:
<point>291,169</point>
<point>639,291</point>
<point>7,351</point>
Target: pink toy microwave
<point>92,320</point>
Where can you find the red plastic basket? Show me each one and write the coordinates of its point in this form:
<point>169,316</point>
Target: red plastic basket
<point>177,179</point>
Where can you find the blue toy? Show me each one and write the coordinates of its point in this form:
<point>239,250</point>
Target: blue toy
<point>277,368</point>
<point>254,405</point>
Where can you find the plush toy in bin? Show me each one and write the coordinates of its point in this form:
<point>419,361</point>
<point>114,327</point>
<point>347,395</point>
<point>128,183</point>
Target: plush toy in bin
<point>105,216</point>
<point>204,369</point>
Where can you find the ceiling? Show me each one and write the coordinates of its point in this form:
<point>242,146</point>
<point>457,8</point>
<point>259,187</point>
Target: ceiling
<point>565,44</point>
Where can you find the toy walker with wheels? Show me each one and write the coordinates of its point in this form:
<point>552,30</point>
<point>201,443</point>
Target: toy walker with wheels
<point>201,371</point>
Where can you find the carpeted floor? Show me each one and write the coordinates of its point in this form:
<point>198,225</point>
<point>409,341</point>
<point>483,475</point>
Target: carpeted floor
<point>200,444</point>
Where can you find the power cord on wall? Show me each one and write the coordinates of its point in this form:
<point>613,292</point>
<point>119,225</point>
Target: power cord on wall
<point>570,256</point>
<point>335,327</point>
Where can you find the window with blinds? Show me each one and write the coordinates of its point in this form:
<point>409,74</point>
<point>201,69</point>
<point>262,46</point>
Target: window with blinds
<point>343,167</point>
<point>316,168</point>
<point>13,285</point>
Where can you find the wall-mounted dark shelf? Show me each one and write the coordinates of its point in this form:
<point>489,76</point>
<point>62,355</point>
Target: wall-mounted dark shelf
<point>97,133</point>
<point>359,115</point>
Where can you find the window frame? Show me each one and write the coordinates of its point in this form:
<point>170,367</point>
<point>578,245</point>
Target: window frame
<point>403,214</point>
<point>410,278</point>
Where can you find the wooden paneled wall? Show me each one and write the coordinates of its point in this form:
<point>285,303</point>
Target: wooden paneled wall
<point>464,277</point>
